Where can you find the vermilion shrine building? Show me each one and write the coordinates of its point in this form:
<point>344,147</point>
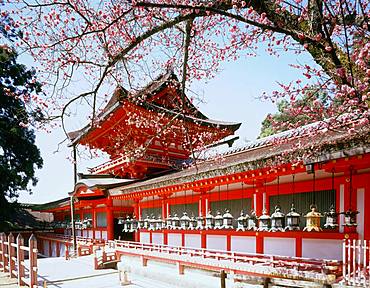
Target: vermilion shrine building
<point>161,178</point>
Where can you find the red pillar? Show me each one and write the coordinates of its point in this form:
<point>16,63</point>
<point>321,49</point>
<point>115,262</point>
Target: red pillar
<point>138,216</point>
<point>164,207</point>
<point>259,243</point>
<point>110,219</point>
<point>93,221</point>
<point>298,246</point>
<point>259,203</point>
<point>203,239</point>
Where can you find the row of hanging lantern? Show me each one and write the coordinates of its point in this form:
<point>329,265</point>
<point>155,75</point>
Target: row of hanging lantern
<point>79,224</point>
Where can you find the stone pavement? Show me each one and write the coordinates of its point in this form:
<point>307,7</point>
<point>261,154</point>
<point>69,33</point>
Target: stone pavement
<point>7,282</point>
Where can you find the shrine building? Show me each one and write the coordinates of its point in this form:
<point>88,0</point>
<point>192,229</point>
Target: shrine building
<point>262,198</point>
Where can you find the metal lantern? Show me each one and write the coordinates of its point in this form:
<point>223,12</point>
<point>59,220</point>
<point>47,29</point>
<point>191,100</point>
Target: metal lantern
<point>252,221</point>
<point>277,220</point>
<point>350,218</point>
<point>331,221</point>
<point>313,219</point>
<point>126,225</point>
<point>78,224</point>
<point>210,220</point>
<point>152,223</point>
<point>146,222</point>
<point>200,223</point>
<point>192,223</point>
<point>219,220</point>
<point>121,220</point>
<point>134,224</point>
<point>292,220</point>
<point>175,222</point>
<point>169,222</point>
<point>242,222</point>
<point>140,224</point>
<point>227,220</point>
<point>158,223</point>
<point>185,221</point>
<point>264,221</point>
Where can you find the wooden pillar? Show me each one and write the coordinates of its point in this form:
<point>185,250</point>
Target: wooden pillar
<point>20,260</point>
<point>164,207</point>
<point>138,217</point>
<point>203,239</point>
<point>32,244</point>
<point>110,219</point>
<point>3,259</point>
<point>298,246</point>
<point>11,254</point>
<point>259,244</point>
<point>93,221</point>
<point>258,202</point>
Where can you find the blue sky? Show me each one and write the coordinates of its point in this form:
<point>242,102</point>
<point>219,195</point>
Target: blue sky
<point>231,96</point>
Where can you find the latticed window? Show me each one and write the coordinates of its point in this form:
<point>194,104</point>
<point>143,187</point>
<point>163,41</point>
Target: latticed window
<point>153,211</point>
<point>179,209</point>
<point>101,219</point>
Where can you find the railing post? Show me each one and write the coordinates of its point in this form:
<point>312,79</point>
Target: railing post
<point>20,260</point>
<point>3,250</point>
<point>11,253</point>
<point>32,243</point>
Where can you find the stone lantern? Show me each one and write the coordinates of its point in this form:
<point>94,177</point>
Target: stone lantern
<point>313,219</point>
<point>242,222</point>
<point>331,221</point>
<point>175,222</point>
<point>277,220</point>
<point>134,224</point>
<point>192,223</point>
<point>227,220</point>
<point>146,222</point>
<point>252,221</point>
<point>185,221</point>
<point>292,220</point>
<point>158,223</point>
<point>350,218</point>
<point>152,223</point>
<point>219,220</point>
<point>264,221</point>
<point>210,221</point>
<point>169,222</point>
<point>200,223</point>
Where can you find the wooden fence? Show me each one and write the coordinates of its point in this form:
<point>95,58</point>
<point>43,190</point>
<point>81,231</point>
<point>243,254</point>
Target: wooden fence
<point>356,263</point>
<point>18,260</point>
<point>266,266</point>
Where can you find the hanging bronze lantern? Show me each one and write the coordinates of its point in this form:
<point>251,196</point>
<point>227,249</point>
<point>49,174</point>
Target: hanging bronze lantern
<point>169,222</point>
<point>210,221</point>
<point>242,222</point>
<point>264,221</point>
<point>78,224</point>
<point>313,219</point>
<point>350,218</point>
<point>227,220</point>
<point>158,223</point>
<point>152,223</point>
<point>331,221</point>
<point>146,222</point>
<point>277,220</point>
<point>200,223</point>
<point>140,223</point>
<point>192,223</point>
<point>292,220</point>
<point>185,221</point>
<point>134,224</point>
<point>121,220</point>
<point>175,222</point>
<point>218,220</point>
<point>252,221</point>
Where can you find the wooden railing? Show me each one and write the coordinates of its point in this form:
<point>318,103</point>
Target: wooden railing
<point>323,271</point>
<point>356,263</point>
<point>12,259</point>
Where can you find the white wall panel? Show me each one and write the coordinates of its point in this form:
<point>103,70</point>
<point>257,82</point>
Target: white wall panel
<point>62,249</point>
<point>193,241</point>
<point>157,238</point>
<point>322,248</point>
<point>279,246</point>
<point>104,235</point>
<point>217,242</point>
<point>246,244</point>
<point>46,247</point>
<point>144,237</point>
<point>53,249</point>
<point>174,239</point>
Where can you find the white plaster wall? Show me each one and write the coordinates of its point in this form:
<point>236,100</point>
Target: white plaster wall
<point>90,233</point>
<point>85,233</point>
<point>217,242</point>
<point>322,248</point>
<point>46,248</point>
<point>104,235</point>
<point>193,241</point>
<point>157,238</point>
<point>144,237</point>
<point>279,246</point>
<point>245,244</point>
<point>62,250</point>
<point>53,249</point>
<point>174,239</point>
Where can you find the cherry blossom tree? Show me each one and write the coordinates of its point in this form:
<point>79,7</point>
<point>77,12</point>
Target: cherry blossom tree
<point>119,41</point>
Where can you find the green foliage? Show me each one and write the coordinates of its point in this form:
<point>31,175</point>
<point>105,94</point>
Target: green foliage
<point>19,156</point>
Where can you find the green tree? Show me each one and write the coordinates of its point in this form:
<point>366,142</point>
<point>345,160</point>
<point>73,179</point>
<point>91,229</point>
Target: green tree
<point>19,156</point>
